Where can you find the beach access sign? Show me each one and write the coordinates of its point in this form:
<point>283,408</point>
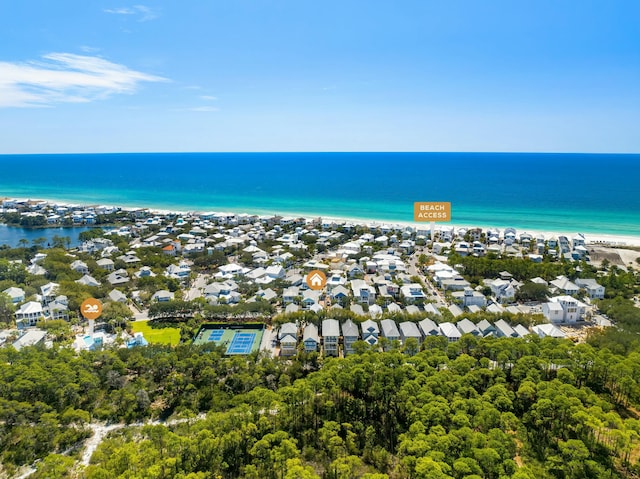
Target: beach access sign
<point>91,308</point>
<point>432,211</point>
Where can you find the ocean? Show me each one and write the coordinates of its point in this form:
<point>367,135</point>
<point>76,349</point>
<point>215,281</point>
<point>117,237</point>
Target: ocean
<point>589,193</point>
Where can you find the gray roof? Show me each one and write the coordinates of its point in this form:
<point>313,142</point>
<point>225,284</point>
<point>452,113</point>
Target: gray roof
<point>389,328</point>
<point>350,329</point>
<point>330,328</point>
<point>467,327</point>
<point>409,329</point>
<point>521,330</point>
<point>485,326</point>
<point>504,329</point>
<point>288,328</point>
<point>429,327</point>
<point>310,332</point>
<point>449,330</point>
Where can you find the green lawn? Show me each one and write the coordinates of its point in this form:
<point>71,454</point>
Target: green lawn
<point>157,335</point>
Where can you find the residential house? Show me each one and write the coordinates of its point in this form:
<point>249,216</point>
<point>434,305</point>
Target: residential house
<point>504,290</point>
<point>564,309</point>
<point>180,271</point>
<point>486,328</point>
<point>162,296</point>
<point>390,331</point>
<point>409,329</point>
<point>455,284</point>
<point>594,290</point>
<point>430,308</point>
<point>548,329</point>
<point>412,292</point>
<point>49,292</point>
<point>310,338</point>
<point>310,298</point>
<point>30,338</point>
<point>467,327</point>
<point>469,297</point>
<point>119,276</point>
<point>455,310</point>
<point>288,337</point>
<point>275,272</point>
<point>565,286</point>
<point>57,309</point>
<point>363,292</point>
<point>80,266</point>
<point>521,331</point>
<point>370,331</point>
<point>15,294</point>
<point>288,329</point>
<point>117,296</point>
<point>89,281</point>
<point>290,294</point>
<point>106,264</point>
<point>349,336</point>
<point>330,336</point>
<point>503,330</point>
<point>339,293</point>
<point>29,314</point>
<point>429,327</point>
<point>449,331</point>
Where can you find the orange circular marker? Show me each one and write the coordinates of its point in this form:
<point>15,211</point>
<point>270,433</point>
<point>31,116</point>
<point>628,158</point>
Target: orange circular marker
<point>316,279</point>
<point>91,308</point>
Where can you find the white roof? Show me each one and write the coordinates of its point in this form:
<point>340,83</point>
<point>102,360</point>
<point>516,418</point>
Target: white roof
<point>330,327</point>
<point>449,330</point>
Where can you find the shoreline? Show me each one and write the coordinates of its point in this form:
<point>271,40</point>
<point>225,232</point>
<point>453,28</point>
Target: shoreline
<point>591,239</point>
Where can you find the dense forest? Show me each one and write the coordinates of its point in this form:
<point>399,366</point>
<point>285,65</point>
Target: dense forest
<point>479,408</point>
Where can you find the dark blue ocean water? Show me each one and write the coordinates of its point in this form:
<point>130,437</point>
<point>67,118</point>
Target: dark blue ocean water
<point>11,235</point>
<point>553,192</point>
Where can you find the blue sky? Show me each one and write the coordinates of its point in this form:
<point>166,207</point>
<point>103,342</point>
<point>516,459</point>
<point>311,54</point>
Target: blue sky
<point>302,75</point>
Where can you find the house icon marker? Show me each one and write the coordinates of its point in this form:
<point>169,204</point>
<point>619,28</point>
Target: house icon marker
<point>316,279</point>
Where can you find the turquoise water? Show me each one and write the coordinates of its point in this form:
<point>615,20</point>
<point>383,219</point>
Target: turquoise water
<point>552,192</point>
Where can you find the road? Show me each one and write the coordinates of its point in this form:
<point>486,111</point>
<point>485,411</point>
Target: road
<point>197,287</point>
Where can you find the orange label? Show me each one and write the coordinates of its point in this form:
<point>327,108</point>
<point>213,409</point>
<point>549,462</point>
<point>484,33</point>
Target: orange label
<point>91,308</point>
<point>316,279</point>
<point>431,211</point>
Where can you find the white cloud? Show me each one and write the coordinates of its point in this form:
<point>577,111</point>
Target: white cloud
<point>65,78</point>
<point>208,97</point>
<point>144,13</point>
